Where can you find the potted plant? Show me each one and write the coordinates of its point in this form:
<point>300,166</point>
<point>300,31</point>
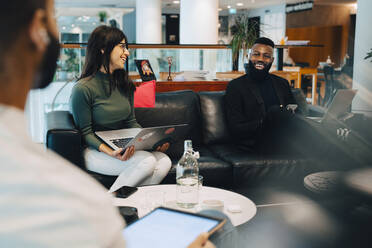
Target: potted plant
<point>102,16</point>
<point>369,55</point>
<point>71,63</point>
<point>244,34</point>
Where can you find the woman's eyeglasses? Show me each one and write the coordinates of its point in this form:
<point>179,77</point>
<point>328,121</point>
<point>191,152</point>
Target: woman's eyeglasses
<point>123,46</point>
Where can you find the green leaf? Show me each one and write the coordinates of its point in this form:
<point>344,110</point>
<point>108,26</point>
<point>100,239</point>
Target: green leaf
<point>369,55</point>
<point>244,35</point>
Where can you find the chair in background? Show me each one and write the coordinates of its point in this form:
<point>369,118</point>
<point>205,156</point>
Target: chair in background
<point>306,82</point>
<point>330,87</point>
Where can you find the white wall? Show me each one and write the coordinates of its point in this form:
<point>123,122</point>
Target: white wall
<point>198,22</point>
<point>198,25</point>
<point>129,26</point>
<point>362,77</point>
<point>148,21</point>
<point>273,21</point>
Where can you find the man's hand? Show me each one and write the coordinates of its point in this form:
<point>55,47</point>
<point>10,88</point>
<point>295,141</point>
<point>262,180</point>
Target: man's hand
<point>163,148</point>
<point>202,242</point>
<point>123,156</point>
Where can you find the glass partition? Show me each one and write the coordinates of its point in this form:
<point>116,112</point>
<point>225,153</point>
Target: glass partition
<point>183,59</point>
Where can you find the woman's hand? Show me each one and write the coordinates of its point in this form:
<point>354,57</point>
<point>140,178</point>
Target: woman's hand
<point>202,242</point>
<point>163,148</point>
<point>119,154</point>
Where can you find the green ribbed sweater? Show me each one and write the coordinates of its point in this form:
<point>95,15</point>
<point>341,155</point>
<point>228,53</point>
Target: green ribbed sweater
<point>93,110</point>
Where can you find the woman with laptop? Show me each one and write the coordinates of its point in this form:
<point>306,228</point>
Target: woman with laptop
<point>101,100</point>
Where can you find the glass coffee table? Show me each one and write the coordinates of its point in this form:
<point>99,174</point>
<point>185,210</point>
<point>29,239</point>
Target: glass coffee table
<point>142,200</point>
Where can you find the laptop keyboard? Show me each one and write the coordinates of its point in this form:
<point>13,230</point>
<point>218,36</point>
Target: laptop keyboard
<point>121,143</point>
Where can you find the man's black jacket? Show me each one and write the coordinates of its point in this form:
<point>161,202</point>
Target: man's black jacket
<point>245,107</point>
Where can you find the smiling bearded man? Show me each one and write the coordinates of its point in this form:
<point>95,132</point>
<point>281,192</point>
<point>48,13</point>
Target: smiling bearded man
<point>256,98</point>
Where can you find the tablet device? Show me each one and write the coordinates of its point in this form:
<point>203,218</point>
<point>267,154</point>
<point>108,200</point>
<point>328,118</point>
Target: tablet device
<point>166,227</point>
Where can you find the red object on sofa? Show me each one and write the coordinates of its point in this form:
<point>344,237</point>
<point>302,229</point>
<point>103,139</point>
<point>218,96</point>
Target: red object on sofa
<point>144,96</point>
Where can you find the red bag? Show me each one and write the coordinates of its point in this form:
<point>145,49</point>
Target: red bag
<point>144,96</point>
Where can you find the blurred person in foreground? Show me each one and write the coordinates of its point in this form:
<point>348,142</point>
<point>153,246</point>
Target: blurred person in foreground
<point>45,200</point>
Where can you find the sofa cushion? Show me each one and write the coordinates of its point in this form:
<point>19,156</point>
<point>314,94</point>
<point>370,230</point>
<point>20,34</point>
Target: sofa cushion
<point>176,107</point>
<point>214,126</point>
<point>252,169</point>
<point>144,96</point>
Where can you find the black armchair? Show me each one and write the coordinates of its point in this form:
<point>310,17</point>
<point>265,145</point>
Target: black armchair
<point>63,137</point>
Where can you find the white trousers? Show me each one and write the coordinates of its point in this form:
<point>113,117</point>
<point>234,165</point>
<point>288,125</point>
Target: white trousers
<point>143,168</point>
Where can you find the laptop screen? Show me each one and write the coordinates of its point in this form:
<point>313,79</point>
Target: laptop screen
<point>340,104</point>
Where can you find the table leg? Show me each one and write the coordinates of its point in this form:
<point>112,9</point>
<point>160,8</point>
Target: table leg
<point>313,90</point>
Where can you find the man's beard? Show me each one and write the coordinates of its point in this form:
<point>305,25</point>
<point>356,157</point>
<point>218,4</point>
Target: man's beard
<point>44,75</point>
<point>258,74</point>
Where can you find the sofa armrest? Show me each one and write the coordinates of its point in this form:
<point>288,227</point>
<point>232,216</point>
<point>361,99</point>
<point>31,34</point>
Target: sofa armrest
<point>316,111</point>
<point>63,137</point>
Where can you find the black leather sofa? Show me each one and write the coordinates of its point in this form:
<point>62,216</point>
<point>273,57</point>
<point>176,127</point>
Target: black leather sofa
<point>221,163</point>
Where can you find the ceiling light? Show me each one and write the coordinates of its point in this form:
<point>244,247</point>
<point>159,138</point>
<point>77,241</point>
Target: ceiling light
<point>228,6</point>
<point>239,4</point>
<point>219,9</point>
<point>176,2</point>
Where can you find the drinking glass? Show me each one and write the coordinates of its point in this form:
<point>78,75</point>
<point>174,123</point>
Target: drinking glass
<point>200,182</point>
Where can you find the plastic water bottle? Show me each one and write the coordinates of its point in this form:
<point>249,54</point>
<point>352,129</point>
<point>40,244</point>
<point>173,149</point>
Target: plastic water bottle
<point>187,178</point>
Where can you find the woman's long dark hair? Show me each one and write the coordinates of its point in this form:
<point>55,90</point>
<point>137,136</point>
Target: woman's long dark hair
<point>105,38</point>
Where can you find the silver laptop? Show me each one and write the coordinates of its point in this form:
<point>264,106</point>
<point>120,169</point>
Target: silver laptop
<point>143,138</point>
<point>338,107</point>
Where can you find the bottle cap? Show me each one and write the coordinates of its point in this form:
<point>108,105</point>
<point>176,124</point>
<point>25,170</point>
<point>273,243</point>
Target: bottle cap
<point>187,144</point>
